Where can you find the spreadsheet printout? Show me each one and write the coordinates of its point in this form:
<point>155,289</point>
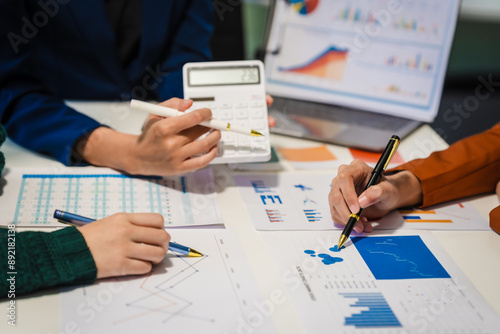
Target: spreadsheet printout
<point>32,195</point>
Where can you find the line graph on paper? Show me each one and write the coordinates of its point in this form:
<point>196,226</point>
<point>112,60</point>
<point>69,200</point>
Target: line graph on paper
<point>179,199</point>
<point>160,297</point>
<point>181,294</point>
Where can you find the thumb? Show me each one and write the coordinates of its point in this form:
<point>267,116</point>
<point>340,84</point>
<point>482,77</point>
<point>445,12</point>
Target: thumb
<point>177,103</point>
<point>370,196</point>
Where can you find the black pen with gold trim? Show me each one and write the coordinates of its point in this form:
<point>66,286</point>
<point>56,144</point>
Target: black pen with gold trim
<point>379,169</point>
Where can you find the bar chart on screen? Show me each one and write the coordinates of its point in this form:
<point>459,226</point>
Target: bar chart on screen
<point>377,284</point>
<point>188,199</point>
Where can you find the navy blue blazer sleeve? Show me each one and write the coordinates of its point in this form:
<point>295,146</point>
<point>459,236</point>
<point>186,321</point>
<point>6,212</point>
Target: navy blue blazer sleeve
<point>190,44</point>
<point>33,117</point>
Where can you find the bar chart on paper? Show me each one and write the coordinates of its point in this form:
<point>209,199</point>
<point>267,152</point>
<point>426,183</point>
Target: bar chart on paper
<point>287,201</point>
<point>450,216</point>
<point>98,193</point>
<point>377,284</point>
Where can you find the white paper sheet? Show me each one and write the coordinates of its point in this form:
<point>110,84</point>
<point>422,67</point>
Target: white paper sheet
<point>398,283</point>
<point>216,293</point>
<point>31,196</point>
<point>288,202</point>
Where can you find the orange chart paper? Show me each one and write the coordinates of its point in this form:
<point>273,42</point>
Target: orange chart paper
<point>372,157</point>
<point>319,153</point>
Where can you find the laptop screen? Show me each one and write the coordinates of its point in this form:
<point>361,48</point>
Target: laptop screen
<point>386,56</point>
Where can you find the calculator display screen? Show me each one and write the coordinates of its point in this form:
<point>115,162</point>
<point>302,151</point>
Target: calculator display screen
<point>220,76</point>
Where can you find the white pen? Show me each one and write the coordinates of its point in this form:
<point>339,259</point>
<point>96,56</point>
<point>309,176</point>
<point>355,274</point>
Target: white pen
<point>170,112</point>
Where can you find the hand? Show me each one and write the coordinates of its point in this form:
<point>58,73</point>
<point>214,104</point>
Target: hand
<point>393,191</point>
<point>166,146</point>
<point>126,243</point>
<point>170,145</point>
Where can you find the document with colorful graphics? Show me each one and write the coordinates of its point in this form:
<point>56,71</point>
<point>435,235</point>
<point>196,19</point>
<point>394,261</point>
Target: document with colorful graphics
<point>287,201</point>
<point>297,201</point>
<point>402,282</point>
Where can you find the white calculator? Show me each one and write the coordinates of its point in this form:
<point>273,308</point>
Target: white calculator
<point>235,92</point>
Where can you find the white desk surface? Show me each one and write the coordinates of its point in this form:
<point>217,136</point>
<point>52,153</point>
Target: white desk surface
<point>475,252</point>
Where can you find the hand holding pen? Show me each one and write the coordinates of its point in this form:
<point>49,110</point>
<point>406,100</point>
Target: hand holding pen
<point>343,188</point>
<point>126,243</point>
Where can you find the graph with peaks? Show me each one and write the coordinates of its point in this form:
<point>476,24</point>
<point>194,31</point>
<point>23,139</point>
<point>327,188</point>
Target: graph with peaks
<point>377,284</point>
<point>188,199</point>
<point>330,64</point>
<point>363,53</point>
<point>211,294</point>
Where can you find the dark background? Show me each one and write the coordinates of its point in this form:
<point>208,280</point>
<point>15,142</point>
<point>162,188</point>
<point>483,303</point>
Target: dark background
<point>475,53</point>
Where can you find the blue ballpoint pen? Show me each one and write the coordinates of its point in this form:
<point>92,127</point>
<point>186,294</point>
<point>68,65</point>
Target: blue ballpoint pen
<point>77,220</point>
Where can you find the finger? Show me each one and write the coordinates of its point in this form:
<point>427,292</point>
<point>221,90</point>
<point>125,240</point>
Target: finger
<point>191,134</point>
<point>145,252</point>
<point>173,125</point>
<point>154,220</point>
<point>371,196</point>
<point>136,267</point>
<point>199,162</point>
<point>201,146</point>
<point>271,121</point>
<point>338,207</point>
<point>151,236</point>
<point>367,226</point>
<point>359,227</point>
<point>269,100</point>
<point>177,103</point>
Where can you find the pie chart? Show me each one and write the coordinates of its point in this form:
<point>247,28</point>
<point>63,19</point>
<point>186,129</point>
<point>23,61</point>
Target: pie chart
<point>304,7</point>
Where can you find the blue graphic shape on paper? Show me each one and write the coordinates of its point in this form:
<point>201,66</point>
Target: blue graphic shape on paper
<point>302,187</point>
<point>399,257</point>
<point>325,258</point>
<point>379,313</point>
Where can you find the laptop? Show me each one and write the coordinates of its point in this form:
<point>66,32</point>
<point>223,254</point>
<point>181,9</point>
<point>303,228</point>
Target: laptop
<point>356,72</point>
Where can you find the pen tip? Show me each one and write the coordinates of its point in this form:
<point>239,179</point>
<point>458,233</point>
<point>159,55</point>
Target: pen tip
<point>194,253</point>
<point>256,133</point>
<point>342,241</point>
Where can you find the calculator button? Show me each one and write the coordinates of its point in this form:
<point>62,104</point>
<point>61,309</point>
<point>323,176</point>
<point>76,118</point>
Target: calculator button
<point>257,113</point>
<point>244,140</point>
<point>241,114</point>
<point>244,149</point>
<point>229,149</point>
<point>259,125</point>
<point>227,137</point>
<point>256,105</point>
<point>256,97</point>
<point>225,114</point>
<point>225,106</point>
<point>259,148</point>
<point>241,105</point>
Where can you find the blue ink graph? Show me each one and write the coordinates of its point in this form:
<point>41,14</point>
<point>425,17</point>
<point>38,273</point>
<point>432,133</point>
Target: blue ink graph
<point>326,258</point>
<point>399,257</point>
<point>379,313</point>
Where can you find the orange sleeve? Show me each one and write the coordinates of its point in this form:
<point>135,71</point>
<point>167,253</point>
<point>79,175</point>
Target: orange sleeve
<point>495,219</point>
<point>469,167</point>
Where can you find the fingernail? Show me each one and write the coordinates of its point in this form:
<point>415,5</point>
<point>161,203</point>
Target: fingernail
<point>358,228</point>
<point>363,201</point>
<point>354,208</point>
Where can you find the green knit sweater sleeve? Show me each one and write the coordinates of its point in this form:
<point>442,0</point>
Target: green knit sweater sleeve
<point>44,260</point>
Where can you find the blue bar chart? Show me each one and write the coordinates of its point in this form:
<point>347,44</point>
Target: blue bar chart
<point>379,313</point>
